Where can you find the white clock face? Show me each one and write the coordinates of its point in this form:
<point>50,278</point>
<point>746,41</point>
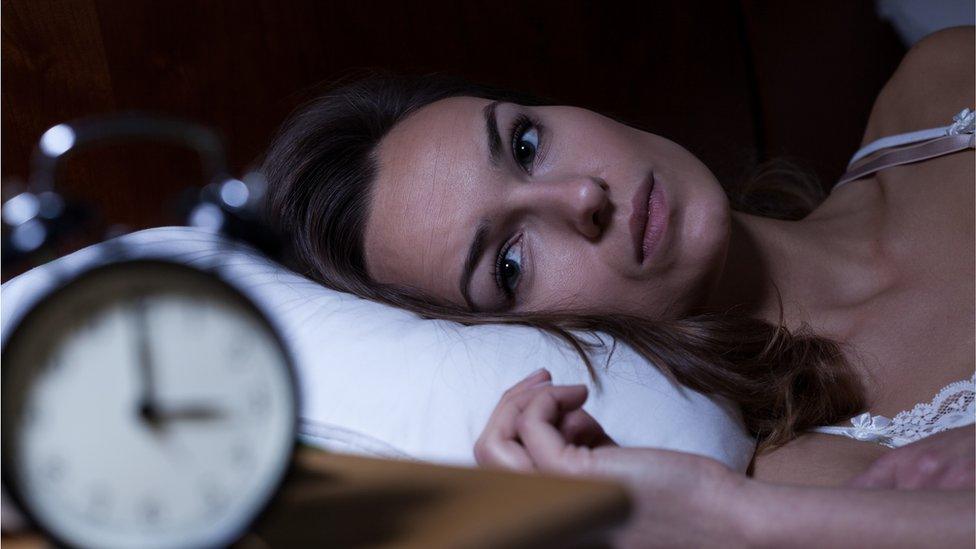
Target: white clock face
<point>146,405</point>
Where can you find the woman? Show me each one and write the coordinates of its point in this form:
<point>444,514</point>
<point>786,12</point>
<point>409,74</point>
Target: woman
<point>470,204</point>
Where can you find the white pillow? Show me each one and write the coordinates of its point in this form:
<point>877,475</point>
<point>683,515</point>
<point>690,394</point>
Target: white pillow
<point>379,381</point>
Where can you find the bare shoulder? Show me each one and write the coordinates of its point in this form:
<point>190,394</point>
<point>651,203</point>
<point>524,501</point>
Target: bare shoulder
<point>934,81</point>
<point>816,459</point>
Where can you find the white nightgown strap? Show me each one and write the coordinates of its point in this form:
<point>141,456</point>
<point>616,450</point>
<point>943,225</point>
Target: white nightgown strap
<point>911,147</point>
<point>954,406</point>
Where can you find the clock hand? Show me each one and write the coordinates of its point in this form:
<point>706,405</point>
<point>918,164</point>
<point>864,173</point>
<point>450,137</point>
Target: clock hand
<point>147,400</point>
<point>188,413</point>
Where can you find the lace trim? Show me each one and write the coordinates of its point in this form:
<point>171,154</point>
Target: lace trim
<point>954,406</point>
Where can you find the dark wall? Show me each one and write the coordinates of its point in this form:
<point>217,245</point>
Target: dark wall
<point>733,81</point>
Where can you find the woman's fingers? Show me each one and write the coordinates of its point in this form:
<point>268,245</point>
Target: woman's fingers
<point>557,423</point>
<point>504,454</point>
<point>580,428</point>
<point>498,445</point>
<point>538,376</point>
<point>537,429</point>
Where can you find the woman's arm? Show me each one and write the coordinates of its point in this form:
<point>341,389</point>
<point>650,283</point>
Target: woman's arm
<point>683,500</point>
<point>786,516</point>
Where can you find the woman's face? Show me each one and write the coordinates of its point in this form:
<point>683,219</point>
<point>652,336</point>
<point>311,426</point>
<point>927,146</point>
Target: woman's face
<point>499,207</point>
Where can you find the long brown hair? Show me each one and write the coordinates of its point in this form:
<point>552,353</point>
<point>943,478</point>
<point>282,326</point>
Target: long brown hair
<point>320,168</point>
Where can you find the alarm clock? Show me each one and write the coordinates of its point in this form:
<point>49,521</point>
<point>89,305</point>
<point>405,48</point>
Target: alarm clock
<point>146,403</point>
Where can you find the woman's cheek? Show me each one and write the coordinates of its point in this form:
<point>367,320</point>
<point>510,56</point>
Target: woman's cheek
<point>563,280</point>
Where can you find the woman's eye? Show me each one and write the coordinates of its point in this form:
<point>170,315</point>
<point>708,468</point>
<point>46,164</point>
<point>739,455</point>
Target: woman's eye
<point>508,268</point>
<point>525,142</point>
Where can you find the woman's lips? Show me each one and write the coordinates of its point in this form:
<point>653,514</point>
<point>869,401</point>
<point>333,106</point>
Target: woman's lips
<point>657,221</point>
<point>639,216</point>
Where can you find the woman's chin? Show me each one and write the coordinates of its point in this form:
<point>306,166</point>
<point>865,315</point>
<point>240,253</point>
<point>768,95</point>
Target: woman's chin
<point>698,268</point>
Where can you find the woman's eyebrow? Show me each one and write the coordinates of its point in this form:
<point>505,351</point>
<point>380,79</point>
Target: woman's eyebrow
<point>491,131</point>
<point>480,240</point>
<point>478,245</point>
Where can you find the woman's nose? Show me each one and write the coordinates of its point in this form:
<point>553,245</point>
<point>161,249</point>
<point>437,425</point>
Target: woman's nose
<point>582,202</point>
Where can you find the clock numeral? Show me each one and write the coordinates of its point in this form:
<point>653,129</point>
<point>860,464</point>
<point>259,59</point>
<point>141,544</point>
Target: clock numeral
<point>214,499</point>
<point>259,401</point>
<point>55,469</point>
<point>239,355</point>
<point>240,455</point>
<point>99,502</point>
<point>150,511</point>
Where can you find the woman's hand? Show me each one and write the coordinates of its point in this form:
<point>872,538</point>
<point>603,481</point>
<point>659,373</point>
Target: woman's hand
<point>944,461</point>
<point>500,445</point>
<point>679,499</point>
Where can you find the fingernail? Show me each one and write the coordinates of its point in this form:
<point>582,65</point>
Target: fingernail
<point>540,384</point>
<point>536,373</point>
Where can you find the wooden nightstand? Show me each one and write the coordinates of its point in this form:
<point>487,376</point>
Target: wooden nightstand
<point>332,500</point>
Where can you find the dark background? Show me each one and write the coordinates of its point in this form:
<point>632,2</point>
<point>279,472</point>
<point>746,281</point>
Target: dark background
<point>736,82</point>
